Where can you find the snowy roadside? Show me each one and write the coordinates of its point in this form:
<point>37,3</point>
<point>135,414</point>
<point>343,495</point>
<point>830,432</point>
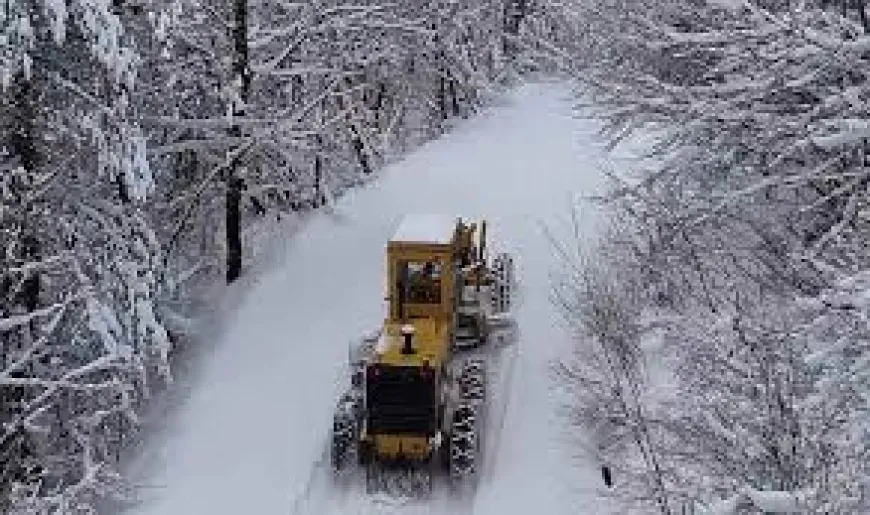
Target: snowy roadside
<point>658,405</point>
<point>260,407</point>
<point>265,241</point>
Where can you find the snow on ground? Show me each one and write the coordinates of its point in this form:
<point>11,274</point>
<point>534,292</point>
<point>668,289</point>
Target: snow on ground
<point>259,417</point>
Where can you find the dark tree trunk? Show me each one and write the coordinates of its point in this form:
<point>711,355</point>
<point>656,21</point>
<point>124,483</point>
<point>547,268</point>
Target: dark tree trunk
<point>22,137</point>
<point>22,140</point>
<point>379,101</point>
<point>23,143</point>
<point>606,476</point>
<point>442,86</point>
<point>514,12</point>
<point>234,182</point>
<point>234,228</point>
<point>319,197</point>
<point>356,141</point>
<point>296,85</point>
<point>359,149</point>
<point>862,14</point>
<point>453,98</point>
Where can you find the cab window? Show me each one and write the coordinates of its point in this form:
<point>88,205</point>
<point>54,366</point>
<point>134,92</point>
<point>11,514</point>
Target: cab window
<point>420,282</point>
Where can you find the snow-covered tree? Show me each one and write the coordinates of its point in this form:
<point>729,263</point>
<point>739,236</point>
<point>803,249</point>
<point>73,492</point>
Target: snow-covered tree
<point>80,339</point>
<point>141,140</point>
<point>336,89</point>
<point>755,196</point>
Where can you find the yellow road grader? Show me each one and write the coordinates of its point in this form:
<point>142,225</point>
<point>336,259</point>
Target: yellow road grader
<point>418,391</point>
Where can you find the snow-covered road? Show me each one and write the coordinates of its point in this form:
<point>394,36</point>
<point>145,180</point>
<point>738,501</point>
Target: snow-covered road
<point>258,418</point>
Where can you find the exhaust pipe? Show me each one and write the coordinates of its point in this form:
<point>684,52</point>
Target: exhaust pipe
<point>408,336</point>
<point>482,246</point>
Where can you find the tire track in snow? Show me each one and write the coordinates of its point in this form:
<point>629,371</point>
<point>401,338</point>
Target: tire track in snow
<point>493,434</point>
<point>305,493</point>
<point>505,390</point>
<point>219,464</point>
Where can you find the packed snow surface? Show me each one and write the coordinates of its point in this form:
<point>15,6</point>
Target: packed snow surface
<point>431,228</point>
<point>258,417</point>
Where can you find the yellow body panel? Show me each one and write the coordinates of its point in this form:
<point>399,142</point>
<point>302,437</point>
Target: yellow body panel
<point>431,344</point>
<point>402,447</point>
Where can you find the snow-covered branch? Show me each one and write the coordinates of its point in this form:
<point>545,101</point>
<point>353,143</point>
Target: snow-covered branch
<point>746,212</point>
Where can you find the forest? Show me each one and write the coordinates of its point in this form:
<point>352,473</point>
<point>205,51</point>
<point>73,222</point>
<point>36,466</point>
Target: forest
<point>720,322</point>
<point>144,145</point>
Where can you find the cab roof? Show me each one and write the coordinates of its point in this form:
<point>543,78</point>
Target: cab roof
<point>425,228</point>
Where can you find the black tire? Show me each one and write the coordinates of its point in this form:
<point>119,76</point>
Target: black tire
<point>364,454</point>
<point>463,442</point>
<point>472,381</point>
<point>444,457</point>
<point>344,431</point>
<point>342,440</point>
<point>503,270</point>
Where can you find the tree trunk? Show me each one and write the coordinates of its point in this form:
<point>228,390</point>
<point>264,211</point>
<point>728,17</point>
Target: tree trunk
<point>234,183</point>
<point>442,86</point>
<point>22,141</point>
<point>356,141</point>
<point>379,104</point>
<point>453,98</point>
<point>319,196</point>
<point>234,228</point>
<point>862,14</point>
<point>360,150</point>
<point>514,12</point>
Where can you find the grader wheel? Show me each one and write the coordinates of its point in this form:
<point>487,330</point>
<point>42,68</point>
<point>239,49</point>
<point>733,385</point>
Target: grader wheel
<point>344,431</point>
<point>464,437</point>
<point>503,281</point>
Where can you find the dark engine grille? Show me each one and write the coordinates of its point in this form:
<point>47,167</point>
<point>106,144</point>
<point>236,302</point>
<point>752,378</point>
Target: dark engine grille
<point>400,401</point>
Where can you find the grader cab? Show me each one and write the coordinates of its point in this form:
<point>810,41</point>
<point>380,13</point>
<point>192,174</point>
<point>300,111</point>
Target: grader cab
<point>419,390</point>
